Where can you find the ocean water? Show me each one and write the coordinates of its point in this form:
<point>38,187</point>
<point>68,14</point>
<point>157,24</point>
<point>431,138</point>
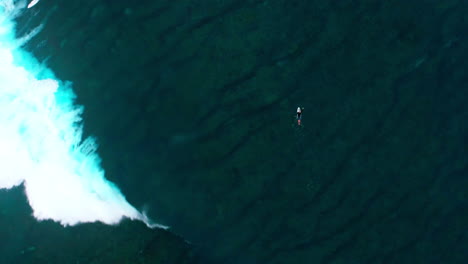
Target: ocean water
<point>166,132</point>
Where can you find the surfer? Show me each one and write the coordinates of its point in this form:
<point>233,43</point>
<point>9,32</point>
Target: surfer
<point>299,115</point>
<point>33,3</point>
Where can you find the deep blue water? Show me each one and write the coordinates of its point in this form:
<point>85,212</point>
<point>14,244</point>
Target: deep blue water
<point>193,105</point>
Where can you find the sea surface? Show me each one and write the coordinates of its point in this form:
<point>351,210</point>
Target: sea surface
<point>192,104</point>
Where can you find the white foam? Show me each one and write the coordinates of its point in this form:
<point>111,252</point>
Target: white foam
<point>41,142</point>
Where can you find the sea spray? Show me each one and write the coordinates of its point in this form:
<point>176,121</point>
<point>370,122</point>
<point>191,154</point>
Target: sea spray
<point>41,144</point>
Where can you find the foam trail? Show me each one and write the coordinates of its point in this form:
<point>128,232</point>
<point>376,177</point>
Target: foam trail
<point>41,143</point>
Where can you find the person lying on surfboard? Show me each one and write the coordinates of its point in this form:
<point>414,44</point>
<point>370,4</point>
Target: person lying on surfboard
<point>299,115</point>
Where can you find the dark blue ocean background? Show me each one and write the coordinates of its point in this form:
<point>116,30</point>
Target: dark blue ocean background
<point>193,104</point>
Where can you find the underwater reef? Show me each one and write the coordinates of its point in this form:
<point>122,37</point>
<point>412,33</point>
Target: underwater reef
<point>193,106</point>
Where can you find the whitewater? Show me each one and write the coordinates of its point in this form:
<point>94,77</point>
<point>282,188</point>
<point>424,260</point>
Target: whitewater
<point>41,140</point>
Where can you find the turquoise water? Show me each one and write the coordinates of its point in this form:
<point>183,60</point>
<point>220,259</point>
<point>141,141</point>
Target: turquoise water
<point>192,105</point>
